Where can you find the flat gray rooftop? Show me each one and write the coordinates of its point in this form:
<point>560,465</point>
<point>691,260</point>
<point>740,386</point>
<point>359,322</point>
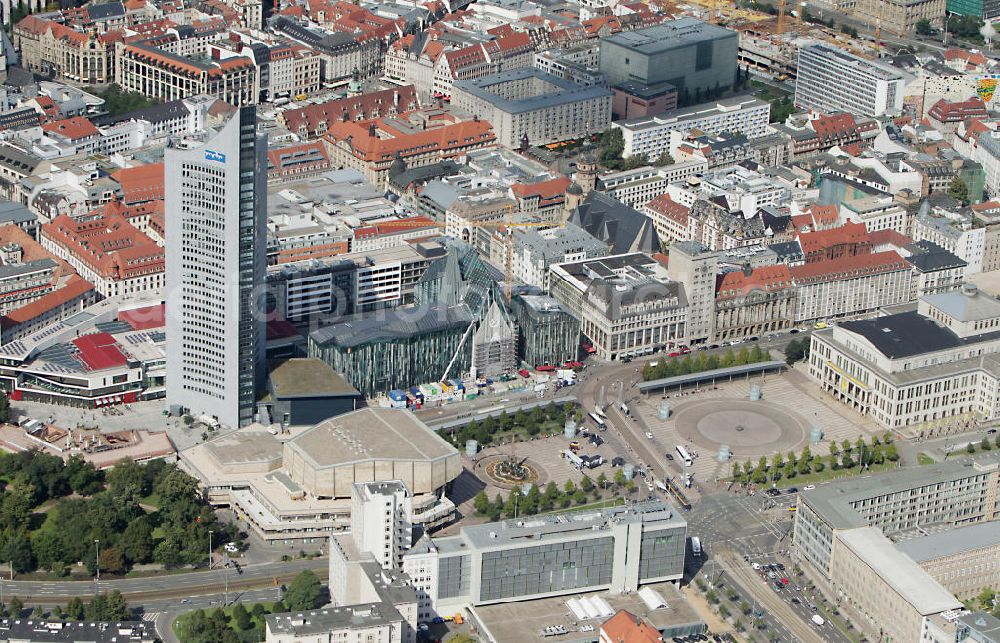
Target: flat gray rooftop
<point>566,91</point>
<point>832,502</point>
<point>669,35</point>
<point>952,541</point>
<point>370,433</point>
<point>902,574</point>
<point>308,377</point>
<point>524,621</point>
<point>245,447</point>
<point>573,525</point>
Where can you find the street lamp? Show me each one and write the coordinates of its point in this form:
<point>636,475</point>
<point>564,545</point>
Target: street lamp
<point>97,546</point>
<point>210,549</point>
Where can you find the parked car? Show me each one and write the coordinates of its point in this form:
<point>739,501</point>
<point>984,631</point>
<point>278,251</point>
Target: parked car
<point>669,456</point>
<point>649,435</point>
<point>809,487</point>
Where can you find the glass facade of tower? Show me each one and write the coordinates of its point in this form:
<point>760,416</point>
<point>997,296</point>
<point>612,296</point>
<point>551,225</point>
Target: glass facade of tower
<point>216,255</point>
<point>547,333</point>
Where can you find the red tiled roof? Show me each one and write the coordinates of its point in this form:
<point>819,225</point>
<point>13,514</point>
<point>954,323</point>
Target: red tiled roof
<point>317,118</point>
<point>669,208</point>
<point>141,183</point>
<point>985,206</point>
<point>442,139</point>
<point>819,240</point>
<point>625,627</point>
<point>889,236</point>
<point>543,189</point>
<point>848,267</point>
<point>955,112</point>
<point>834,125</point>
<point>145,317</point>
<point>738,283</point>
<point>74,128</point>
<point>110,245</point>
<point>75,287</point>
<point>100,351</point>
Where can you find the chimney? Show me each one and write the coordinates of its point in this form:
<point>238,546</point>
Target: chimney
<point>371,130</point>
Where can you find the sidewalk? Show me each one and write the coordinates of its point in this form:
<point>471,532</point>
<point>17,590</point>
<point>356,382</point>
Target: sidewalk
<point>715,623</point>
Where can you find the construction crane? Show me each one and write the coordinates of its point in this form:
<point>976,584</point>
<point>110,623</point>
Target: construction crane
<point>780,29</point>
<point>798,19</point>
<point>509,224</point>
<point>713,8</point>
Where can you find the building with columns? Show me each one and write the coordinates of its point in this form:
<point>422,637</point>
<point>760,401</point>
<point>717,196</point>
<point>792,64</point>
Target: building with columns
<point>754,302</point>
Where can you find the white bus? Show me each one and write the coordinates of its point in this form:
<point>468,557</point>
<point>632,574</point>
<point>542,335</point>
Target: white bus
<point>598,421</point>
<point>684,455</point>
<point>696,546</point>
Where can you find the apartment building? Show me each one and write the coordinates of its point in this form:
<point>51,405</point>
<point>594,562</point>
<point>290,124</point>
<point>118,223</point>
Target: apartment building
<point>956,232</point>
<point>635,188</point>
<point>832,80</point>
<point>533,107</point>
<point>107,251</point>
<point>650,136</point>
<point>371,146</point>
<point>849,286</point>
<point>165,76</point>
<point>51,48</point>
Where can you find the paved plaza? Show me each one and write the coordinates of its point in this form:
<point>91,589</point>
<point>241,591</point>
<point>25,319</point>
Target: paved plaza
<point>781,421</point>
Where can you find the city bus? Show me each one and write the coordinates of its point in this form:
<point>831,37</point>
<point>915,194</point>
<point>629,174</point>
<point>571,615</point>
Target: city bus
<point>598,421</point>
<point>684,455</point>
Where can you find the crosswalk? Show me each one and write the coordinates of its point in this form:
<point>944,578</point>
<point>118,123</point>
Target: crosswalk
<point>150,616</point>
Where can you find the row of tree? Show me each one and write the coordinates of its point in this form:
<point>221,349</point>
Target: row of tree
<point>846,456</point>
<point>105,508</point>
<point>539,501</point>
<point>984,445</point>
<point>103,607</point>
<point>797,350</point>
<point>493,430</point>
<point>699,363</point>
<point>304,593</point>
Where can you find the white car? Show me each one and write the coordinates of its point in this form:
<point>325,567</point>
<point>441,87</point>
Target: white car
<point>809,487</point>
<point>756,566</point>
<point>649,435</point>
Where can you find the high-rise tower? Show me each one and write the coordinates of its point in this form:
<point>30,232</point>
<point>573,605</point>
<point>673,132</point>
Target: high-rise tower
<point>216,255</point>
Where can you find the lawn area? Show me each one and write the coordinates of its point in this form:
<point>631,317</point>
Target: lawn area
<point>828,474</point>
<point>923,458</point>
<point>600,504</point>
<point>767,92</point>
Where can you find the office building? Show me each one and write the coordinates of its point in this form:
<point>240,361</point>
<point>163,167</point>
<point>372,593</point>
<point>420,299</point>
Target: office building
<point>903,589</point>
<point>833,80</point>
<point>754,302</point>
<point>696,266</point>
<point>650,135</point>
<point>531,105</point>
<point>900,17</point>
<point>551,555</point>
<point>936,362</point>
<point>626,304</point>
<point>693,56</point>
<point>305,391</point>
<point>893,594</point>
<point>547,333</point>
<point>215,240</point>
<point>162,75</point>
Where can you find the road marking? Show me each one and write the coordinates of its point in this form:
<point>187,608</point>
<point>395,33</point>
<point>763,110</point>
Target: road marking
<point>150,616</point>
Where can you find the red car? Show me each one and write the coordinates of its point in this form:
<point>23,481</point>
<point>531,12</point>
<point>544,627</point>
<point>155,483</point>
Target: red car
<point>545,368</point>
<point>685,350</point>
<point>570,364</point>
<point>524,373</point>
<point>674,354</point>
<point>589,348</point>
<point>784,581</point>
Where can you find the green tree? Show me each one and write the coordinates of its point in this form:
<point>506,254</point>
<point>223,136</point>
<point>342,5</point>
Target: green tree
<point>663,160</point>
<point>481,503</point>
<point>602,481</point>
<point>112,560</point>
<point>586,484</point>
<point>569,488</point>
<point>16,606</point>
<point>75,609</point>
<point>970,448</point>
<point>619,478</point>
<point>4,408</point>
<point>985,444</point>
<point>303,592</point>
<point>241,617</point>
<point>924,28</point>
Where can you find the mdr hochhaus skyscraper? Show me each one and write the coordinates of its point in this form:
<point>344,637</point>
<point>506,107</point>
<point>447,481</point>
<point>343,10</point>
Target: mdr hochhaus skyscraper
<point>215,238</point>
